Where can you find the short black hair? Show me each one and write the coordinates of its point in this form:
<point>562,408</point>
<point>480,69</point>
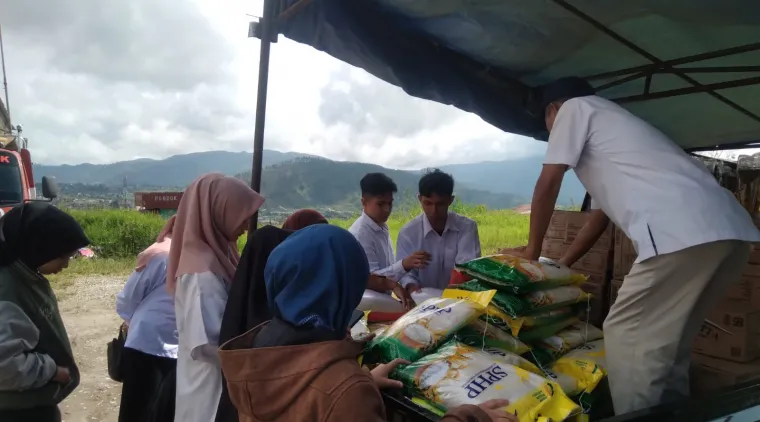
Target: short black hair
<point>564,89</point>
<point>436,182</point>
<point>375,184</point>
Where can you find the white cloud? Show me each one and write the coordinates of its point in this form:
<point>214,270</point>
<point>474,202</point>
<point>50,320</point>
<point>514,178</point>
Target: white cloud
<point>102,82</point>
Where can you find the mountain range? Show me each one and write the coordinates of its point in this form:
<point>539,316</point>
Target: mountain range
<point>295,180</point>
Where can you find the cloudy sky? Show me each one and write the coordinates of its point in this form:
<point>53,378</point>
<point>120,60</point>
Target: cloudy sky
<point>103,81</point>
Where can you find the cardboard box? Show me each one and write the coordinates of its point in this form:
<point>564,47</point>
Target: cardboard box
<point>740,291</point>
<point>710,374</point>
<point>594,278</point>
<point>624,255</point>
<point>596,261</point>
<point>752,270</point>
<point>754,286</point>
<point>565,226</point>
<point>559,220</point>
<point>614,287</point>
<point>741,342</point>
<point>576,221</point>
<point>553,248</point>
<point>754,255</point>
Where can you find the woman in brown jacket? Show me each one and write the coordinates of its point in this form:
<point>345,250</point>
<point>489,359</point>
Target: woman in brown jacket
<point>300,366</point>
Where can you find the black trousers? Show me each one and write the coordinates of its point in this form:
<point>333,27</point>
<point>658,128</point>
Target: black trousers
<point>147,393</point>
<point>37,414</point>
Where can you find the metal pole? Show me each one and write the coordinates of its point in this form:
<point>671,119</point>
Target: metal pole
<point>261,101</point>
<point>5,80</point>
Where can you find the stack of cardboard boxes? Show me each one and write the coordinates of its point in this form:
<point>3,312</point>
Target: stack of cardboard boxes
<point>563,229</point>
<point>727,349</point>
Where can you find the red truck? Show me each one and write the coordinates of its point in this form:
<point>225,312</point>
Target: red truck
<point>163,203</point>
<point>16,175</point>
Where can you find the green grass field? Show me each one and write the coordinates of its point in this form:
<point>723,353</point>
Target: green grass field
<point>119,235</point>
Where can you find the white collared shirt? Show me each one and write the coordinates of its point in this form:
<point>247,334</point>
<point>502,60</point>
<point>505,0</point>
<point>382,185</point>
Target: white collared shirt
<point>377,244</point>
<point>662,198</point>
<point>459,243</point>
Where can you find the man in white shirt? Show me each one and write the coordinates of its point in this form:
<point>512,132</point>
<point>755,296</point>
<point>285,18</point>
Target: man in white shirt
<point>371,230</point>
<point>448,237</point>
<point>691,236</point>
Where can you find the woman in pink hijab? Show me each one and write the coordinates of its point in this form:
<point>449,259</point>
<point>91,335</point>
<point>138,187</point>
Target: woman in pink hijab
<point>213,214</point>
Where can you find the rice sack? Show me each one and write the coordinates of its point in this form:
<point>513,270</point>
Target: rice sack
<point>532,303</point>
<point>516,326</point>
<point>360,329</point>
<point>376,328</point>
<point>458,374</point>
<point>426,293</point>
<point>581,370</point>
<point>571,337</point>
<point>510,273</point>
<point>540,333</point>
<point>497,317</point>
<point>429,324</point>
<point>480,333</point>
<point>379,302</point>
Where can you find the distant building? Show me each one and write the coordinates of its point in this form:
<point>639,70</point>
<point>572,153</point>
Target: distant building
<point>5,120</point>
<point>522,209</point>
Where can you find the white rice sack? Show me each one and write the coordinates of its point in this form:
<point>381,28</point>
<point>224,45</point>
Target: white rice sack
<point>426,293</point>
<point>379,302</point>
<point>457,374</point>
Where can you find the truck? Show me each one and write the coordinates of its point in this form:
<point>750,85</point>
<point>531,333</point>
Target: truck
<point>17,184</point>
<point>690,68</point>
<point>163,203</point>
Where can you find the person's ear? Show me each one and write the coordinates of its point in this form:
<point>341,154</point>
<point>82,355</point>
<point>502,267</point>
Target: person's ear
<point>451,200</point>
<point>419,197</point>
<point>364,202</point>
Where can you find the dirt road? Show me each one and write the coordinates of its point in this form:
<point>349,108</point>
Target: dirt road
<point>88,310</point>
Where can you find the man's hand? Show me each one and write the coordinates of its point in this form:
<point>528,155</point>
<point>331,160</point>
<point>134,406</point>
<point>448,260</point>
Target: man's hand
<point>419,259</point>
<point>381,372</point>
<point>62,375</point>
<point>525,252</point>
<point>403,294</point>
<point>517,251</point>
<point>495,409</point>
<point>412,287</point>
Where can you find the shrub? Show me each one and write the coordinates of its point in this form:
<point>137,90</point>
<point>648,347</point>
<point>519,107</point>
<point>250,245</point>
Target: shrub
<point>125,233</point>
<point>119,233</point>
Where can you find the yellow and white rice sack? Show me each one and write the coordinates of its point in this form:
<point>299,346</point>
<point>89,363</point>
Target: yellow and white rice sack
<point>457,374</point>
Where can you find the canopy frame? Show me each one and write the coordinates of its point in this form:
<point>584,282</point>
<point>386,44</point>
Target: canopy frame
<point>696,87</point>
<point>277,11</point>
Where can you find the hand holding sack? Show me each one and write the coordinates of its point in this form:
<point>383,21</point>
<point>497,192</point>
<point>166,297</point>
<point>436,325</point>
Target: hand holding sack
<point>511,273</point>
<point>428,325</point>
<point>458,374</point>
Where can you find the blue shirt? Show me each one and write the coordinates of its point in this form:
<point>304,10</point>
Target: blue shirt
<point>149,310</point>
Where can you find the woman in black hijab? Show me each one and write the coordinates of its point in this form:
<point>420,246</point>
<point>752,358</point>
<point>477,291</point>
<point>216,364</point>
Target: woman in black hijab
<point>247,306</point>
<point>37,368</point>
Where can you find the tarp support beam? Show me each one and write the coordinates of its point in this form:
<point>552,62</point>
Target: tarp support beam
<point>619,38</point>
<point>267,29</point>
<point>690,90</point>
<point>668,64</point>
